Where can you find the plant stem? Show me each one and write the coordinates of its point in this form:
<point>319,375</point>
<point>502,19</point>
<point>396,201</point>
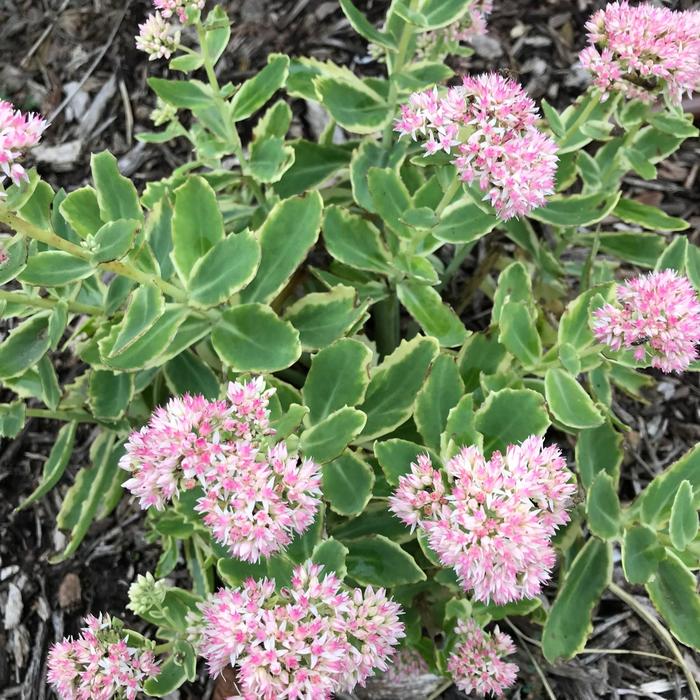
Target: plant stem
<point>80,416</point>
<point>538,668</point>
<point>440,690</point>
<point>48,303</point>
<point>449,195</point>
<point>124,269</point>
<point>386,324</point>
<point>661,632</point>
<point>163,648</point>
<point>581,119</point>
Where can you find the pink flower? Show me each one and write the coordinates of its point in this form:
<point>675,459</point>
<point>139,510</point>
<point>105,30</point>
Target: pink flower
<point>644,50</point>
<point>407,664</point>
<point>476,664</point>
<point>18,132</point>
<point>256,495</point>
<point>179,7</point>
<point>494,522</point>
<point>307,641</point>
<point>488,126</point>
<point>158,38</point>
<point>99,664</point>
<point>659,317</point>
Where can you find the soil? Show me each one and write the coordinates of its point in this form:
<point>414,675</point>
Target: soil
<point>50,48</point>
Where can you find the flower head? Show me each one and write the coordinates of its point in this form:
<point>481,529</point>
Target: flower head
<point>494,522</point>
<point>488,125</point>
<point>158,38</point>
<point>146,593</point>
<point>476,664</point>
<point>179,7</point>
<point>18,132</point>
<point>309,640</point>
<point>643,50</point>
<point>99,664</point>
<point>256,495</point>
<point>659,317</point>
<point>407,664</point>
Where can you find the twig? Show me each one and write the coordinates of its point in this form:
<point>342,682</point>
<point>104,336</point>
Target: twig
<point>44,34</point>
<point>440,690</point>
<point>538,668</point>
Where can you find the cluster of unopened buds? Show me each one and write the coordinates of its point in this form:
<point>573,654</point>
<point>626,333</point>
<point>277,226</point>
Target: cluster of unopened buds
<point>256,496</point>
<point>477,664</point>
<point>658,318</point>
<point>308,640</point>
<point>99,664</point>
<point>18,132</point>
<point>487,125</point>
<point>644,50</point>
<point>494,520</point>
<point>159,35</point>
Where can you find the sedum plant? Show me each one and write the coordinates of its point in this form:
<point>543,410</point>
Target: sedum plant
<point>348,473</point>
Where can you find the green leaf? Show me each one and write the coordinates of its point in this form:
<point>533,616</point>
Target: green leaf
<point>322,317</point>
<point>683,526</point>
<point>12,418</point>
<point>574,326</point>
<point>434,14</point>
<point>675,125</point>
<point>197,224</point>
<point>635,247</point>
<point>598,450</point>
<point>252,338</point>
<point>514,284</point>
<point>82,211</point>
<point>391,199</point>
<point>327,439</point>
<point>673,592</point>
<point>50,390</point>
<point>227,268</point>
<point>576,209</point>
<point>569,402</point>
<point>54,268</point>
<point>553,119</point>
<point>55,465</point>
<point>603,507</point>
<point>464,222</point>
<point>395,457</point>
<point>460,428</point>
<point>24,346</point>
<point>187,63</point>
<point>347,484</point>
<point>633,212</point>
<point>331,554</point>
<point>508,416</point>
<point>313,164</point>
<point>109,394</point>
<point>434,317</point>
<point>394,384</point>
<point>570,358</point>
<point>377,561</point>
<point>519,608</point>
<point>145,308</point>
<point>302,546</point>
<point>187,374</point>
<point>369,154</point>
<point>217,38</point>
<point>354,241</point>
<point>655,502</point>
<point>289,231</point>
<point>354,105</point>
<point>16,252</point>
<point>234,572</point>
<point>437,397</point>
<point>364,28</point>
<point>569,621</point>
<point>170,677</point>
<point>518,332</point>
<point>186,94</point>
<point>641,553</point>
<point>270,159</point>
<point>338,377</point>
<point>84,496</point>
<point>113,240</point>
<point>639,163</point>
<point>275,122</point>
<point>37,209</point>
<point>256,91</point>
<point>116,194</point>
<point>675,257</point>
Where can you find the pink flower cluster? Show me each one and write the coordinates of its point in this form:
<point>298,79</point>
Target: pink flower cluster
<point>476,664</point>
<point>99,664</point>
<point>488,125</point>
<point>659,318</point>
<point>18,132</point>
<point>643,50</point>
<point>308,641</point>
<point>479,10</point>
<point>158,37</point>
<point>407,664</point>
<point>256,495</point>
<point>494,520</point>
<point>168,8</point>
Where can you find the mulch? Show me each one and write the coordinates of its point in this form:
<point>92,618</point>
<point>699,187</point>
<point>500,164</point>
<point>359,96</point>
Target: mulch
<point>51,50</point>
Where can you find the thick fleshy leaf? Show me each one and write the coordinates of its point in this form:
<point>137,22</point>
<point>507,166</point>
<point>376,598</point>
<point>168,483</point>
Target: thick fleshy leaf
<point>641,553</point>
<point>275,121</point>
<point>574,326</point>
<point>683,526</point>
<point>24,346</point>
<point>569,621</point>
<point>598,450</point>
<point>460,428</point>
<point>187,374</point>
<point>464,222</point>
<point>394,384</point>
<point>391,199</point>
<point>186,94</point>
<point>347,484</point>
<point>256,91</point>
<point>396,455</point>
<point>116,194</point>
<point>12,418</point>
<point>365,28</point>
<point>252,338</point>
<point>313,164</point>
<point>339,376</point>
<point>518,332</point>
<point>634,212</point>
<point>145,308</point>
<point>54,268</point>
<point>82,211</point>
<point>603,507</point>
<point>331,554</point>
<point>289,231</point>
<point>328,438</point>
<point>171,676</point>
<point>113,240</point>
<point>353,104</point>
<point>270,158</point>
<point>109,394</point>
<point>577,209</point>
<point>569,402</point>
<point>514,284</point>
<point>377,561</point>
